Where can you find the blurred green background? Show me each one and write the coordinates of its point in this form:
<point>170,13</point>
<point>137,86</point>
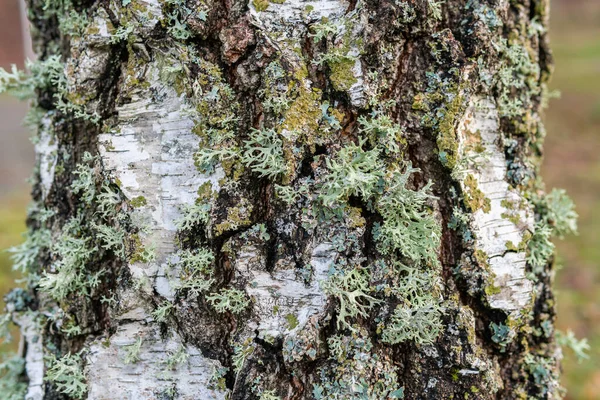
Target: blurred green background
<point>572,162</point>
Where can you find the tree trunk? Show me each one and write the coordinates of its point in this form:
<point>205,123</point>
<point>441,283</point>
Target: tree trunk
<point>289,200</point>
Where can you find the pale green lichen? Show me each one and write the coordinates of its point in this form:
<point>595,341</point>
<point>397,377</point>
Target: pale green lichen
<point>559,213</point>
<point>418,316</point>
<point>43,75</point>
<point>24,256</point>
<point>263,153</point>
<point>241,352</point>
<point>85,183</point>
<point>229,299</point>
<point>196,271</point>
<point>407,225</point>
<point>162,312</point>
<point>177,357</point>
<point>69,272</point>
<point>177,12</point>
<point>518,71</point>
<point>205,159</point>
<point>351,288</point>
<point>544,374</point>
<point>435,8</point>
<point>192,216</point>
<point>269,395</point>
<point>111,238</point>
<point>539,247</point>
<point>66,374</point>
<point>132,351</point>
<point>381,130</point>
<point>352,172</point>
<point>355,370</point>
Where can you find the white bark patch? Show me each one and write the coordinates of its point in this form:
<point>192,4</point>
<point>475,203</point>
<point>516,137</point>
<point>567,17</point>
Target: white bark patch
<point>100,22</point>
<point>110,378</point>
<point>492,230</point>
<point>292,14</point>
<point>152,158</point>
<point>284,23</point>
<point>46,149</point>
<point>283,303</point>
<point>149,13</point>
<point>357,90</point>
<point>34,356</point>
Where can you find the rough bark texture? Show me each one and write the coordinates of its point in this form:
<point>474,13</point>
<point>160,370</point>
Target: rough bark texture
<point>289,199</point>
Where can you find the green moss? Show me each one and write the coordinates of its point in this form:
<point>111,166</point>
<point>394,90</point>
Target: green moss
<point>455,374</point>
<point>260,5</point>
<point>341,74</point>
<point>491,290</point>
<point>139,251</point>
<point>292,321</point>
<point>139,201</point>
<point>205,192</point>
<point>510,246</point>
<point>482,258</point>
<point>237,216</point>
<point>446,140</point>
<point>474,198</point>
<point>355,218</point>
<point>513,217</point>
<point>304,113</point>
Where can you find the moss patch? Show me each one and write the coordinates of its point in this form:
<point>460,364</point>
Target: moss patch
<point>260,5</point>
<point>341,75</point>
<point>474,198</point>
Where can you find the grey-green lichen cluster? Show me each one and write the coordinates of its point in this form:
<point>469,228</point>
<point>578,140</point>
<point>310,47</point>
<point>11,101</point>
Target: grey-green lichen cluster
<point>332,250</point>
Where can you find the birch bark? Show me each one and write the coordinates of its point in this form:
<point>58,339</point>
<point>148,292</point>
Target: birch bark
<point>290,199</point>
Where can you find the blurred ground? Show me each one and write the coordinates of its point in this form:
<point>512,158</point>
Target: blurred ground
<point>572,162</point>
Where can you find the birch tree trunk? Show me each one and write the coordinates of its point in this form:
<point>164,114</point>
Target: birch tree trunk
<point>289,199</point>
